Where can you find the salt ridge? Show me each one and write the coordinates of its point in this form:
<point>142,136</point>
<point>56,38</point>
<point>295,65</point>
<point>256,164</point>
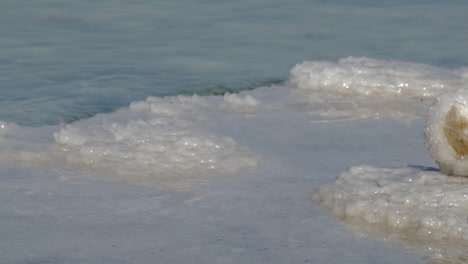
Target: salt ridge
<point>370,88</point>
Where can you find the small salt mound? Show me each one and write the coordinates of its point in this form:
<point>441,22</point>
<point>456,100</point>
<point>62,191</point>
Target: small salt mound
<point>418,203</point>
<point>157,141</point>
<point>446,133</point>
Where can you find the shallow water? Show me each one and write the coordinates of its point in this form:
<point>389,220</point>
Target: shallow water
<point>63,62</point>
<point>106,156</point>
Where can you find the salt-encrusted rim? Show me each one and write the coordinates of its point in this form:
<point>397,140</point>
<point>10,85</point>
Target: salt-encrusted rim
<point>436,141</point>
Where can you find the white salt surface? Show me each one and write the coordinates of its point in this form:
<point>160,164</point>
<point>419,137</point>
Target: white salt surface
<point>420,207</point>
<point>164,138</point>
<point>366,76</point>
<point>223,179</point>
<point>372,88</point>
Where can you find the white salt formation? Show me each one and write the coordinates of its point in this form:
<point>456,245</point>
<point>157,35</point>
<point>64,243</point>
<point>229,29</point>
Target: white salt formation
<point>447,133</point>
<point>418,203</point>
<point>371,77</point>
<point>412,204</point>
<point>365,87</point>
<point>157,141</point>
<point>420,208</point>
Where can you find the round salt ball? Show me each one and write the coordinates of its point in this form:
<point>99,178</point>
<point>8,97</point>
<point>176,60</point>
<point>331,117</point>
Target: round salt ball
<point>446,133</point>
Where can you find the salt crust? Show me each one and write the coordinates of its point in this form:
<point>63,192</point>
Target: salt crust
<point>162,141</point>
<point>420,209</point>
<point>371,88</point>
<point>162,138</point>
<point>366,76</point>
<point>417,202</point>
<point>446,132</point>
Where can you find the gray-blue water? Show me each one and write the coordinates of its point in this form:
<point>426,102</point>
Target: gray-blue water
<point>65,60</point>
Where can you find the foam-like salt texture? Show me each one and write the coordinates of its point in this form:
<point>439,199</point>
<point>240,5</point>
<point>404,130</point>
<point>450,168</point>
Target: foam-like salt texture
<point>370,77</point>
<point>418,203</point>
<point>162,141</point>
<point>154,142</point>
<point>364,87</point>
<point>446,132</point>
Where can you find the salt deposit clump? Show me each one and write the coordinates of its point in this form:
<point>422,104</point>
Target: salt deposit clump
<point>169,142</point>
<point>446,133</point>
<point>159,141</point>
<point>371,77</point>
<point>369,88</point>
<point>420,208</point>
<point>414,202</point>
